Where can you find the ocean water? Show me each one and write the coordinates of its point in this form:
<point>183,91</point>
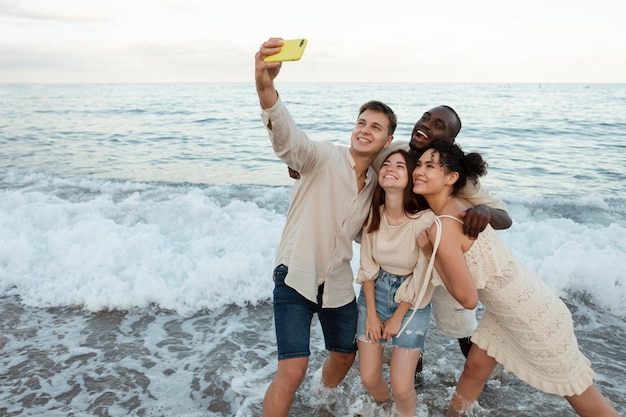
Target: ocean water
<point>139,223</point>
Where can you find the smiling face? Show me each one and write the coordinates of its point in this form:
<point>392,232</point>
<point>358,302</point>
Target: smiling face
<point>430,176</point>
<point>439,123</point>
<point>394,173</point>
<point>371,133</point>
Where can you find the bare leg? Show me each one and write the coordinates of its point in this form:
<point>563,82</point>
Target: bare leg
<point>479,366</point>
<point>477,369</point>
<point>336,367</point>
<point>280,393</point>
<point>403,364</point>
<point>591,403</point>
<point>371,369</point>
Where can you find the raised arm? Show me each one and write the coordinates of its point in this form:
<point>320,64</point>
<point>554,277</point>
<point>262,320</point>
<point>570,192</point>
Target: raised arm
<point>265,72</point>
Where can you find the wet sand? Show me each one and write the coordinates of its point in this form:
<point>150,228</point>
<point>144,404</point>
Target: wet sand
<point>71,362</point>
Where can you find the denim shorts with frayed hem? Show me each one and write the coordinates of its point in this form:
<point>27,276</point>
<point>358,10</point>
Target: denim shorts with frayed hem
<point>414,336</point>
<point>293,314</point>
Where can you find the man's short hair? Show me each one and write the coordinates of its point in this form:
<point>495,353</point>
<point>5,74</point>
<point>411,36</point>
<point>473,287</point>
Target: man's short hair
<point>379,106</point>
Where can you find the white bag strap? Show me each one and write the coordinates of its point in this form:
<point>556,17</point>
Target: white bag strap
<point>429,271</point>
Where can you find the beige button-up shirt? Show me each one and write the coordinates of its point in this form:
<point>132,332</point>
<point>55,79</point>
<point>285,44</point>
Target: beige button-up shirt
<point>326,211</point>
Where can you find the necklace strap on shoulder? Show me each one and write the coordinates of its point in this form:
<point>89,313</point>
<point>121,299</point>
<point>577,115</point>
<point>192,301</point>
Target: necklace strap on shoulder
<point>429,271</point>
<point>449,217</point>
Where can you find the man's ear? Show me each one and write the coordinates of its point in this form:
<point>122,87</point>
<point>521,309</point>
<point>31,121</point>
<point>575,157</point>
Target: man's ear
<point>389,139</point>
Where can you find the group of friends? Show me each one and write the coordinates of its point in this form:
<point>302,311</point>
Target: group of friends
<point>428,245</point>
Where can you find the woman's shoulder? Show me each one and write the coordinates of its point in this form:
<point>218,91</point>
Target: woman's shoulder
<point>423,218</point>
<point>451,212</point>
<point>450,220</point>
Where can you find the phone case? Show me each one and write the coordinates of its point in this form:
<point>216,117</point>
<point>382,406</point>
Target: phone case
<point>291,50</point>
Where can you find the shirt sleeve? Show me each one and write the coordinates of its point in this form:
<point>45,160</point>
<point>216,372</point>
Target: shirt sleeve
<point>368,269</point>
<point>289,142</point>
<point>477,195</point>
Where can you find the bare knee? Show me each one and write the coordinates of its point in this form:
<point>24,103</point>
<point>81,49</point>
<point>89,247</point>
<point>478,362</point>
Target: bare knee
<point>471,367</point>
<point>343,360</point>
<point>591,403</point>
<point>403,392</point>
<point>291,372</point>
<point>478,367</point>
<point>371,380</point>
<point>336,367</point>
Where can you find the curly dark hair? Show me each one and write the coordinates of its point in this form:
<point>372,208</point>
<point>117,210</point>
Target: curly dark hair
<point>469,166</point>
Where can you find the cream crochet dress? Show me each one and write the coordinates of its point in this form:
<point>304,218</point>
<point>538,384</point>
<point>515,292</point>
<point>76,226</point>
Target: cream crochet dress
<point>525,326</point>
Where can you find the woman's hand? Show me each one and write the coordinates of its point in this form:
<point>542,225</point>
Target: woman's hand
<point>423,240</point>
<point>373,328</point>
<point>392,326</point>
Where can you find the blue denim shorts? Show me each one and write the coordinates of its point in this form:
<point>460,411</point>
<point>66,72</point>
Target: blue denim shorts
<point>414,335</point>
<point>293,315</point>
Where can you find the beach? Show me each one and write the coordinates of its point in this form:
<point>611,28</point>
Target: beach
<point>139,226</point>
<point>70,362</point>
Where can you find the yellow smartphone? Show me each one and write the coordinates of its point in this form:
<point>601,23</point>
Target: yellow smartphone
<point>291,50</point>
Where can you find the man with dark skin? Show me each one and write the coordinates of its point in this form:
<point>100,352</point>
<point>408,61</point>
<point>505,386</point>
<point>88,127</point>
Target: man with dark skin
<point>443,123</point>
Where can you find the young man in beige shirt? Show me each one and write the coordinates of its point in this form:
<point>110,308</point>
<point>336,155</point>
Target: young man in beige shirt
<point>327,210</point>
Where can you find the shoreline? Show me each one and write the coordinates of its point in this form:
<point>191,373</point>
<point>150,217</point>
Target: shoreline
<point>71,362</point>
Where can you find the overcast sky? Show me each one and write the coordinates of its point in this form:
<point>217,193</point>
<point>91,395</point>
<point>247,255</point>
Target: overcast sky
<point>390,40</point>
